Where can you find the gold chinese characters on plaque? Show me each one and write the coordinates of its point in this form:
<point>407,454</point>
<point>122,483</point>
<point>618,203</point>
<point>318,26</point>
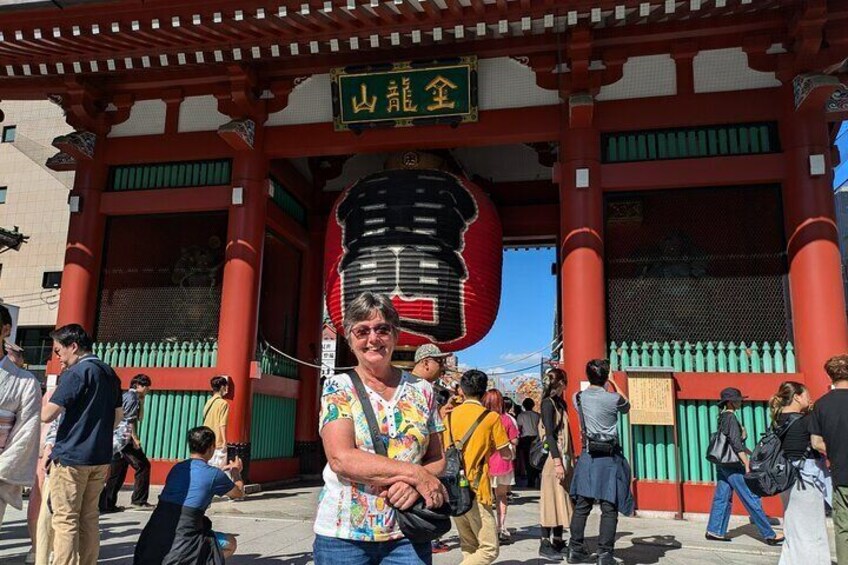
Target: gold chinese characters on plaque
<point>651,398</point>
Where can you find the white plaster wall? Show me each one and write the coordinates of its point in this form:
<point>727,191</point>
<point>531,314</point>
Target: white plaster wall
<point>147,117</point>
<point>36,202</point>
<point>722,70</point>
<point>643,77</point>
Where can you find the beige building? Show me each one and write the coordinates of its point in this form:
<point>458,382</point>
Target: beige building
<point>35,199</point>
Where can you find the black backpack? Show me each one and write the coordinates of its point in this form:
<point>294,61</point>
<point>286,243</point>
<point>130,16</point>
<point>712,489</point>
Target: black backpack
<point>460,492</point>
<point>771,472</point>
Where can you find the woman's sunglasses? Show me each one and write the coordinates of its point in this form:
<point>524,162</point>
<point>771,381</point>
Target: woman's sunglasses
<point>382,330</point>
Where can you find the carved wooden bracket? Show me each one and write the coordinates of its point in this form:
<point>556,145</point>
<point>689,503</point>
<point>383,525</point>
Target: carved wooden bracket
<point>576,70</point>
<point>812,91</point>
<point>79,145</point>
<point>246,97</point>
<point>239,134</point>
<point>61,161</point>
<point>87,108</point>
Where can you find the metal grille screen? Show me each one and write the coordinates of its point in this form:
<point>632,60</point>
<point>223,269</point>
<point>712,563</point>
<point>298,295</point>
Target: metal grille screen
<point>161,278</point>
<point>697,265</point>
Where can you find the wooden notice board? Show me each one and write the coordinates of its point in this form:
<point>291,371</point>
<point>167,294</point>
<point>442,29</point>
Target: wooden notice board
<point>651,398</point>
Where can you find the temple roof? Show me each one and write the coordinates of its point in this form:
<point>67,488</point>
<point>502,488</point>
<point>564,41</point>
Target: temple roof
<point>46,39</point>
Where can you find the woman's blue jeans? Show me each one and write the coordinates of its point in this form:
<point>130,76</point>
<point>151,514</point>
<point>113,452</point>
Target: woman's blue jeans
<point>728,480</point>
<point>335,551</point>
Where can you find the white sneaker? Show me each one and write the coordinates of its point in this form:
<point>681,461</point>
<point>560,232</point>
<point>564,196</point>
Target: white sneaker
<point>30,557</point>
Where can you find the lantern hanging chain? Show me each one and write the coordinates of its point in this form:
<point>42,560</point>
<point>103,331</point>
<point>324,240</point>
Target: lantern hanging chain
<point>302,362</point>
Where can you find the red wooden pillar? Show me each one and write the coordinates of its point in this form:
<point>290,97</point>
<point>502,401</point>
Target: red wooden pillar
<point>84,247</point>
<point>582,248</point>
<point>240,292</point>
<point>815,276</point>
<point>310,324</point>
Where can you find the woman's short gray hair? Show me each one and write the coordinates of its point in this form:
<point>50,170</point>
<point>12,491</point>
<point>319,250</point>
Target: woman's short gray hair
<point>363,308</point>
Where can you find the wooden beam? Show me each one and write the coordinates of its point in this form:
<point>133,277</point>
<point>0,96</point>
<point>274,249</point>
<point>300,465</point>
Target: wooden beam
<point>165,201</point>
<point>496,127</point>
<point>689,110</point>
<point>294,182</point>
<point>689,173</point>
<point>284,226</point>
<point>161,148</point>
<point>533,223</point>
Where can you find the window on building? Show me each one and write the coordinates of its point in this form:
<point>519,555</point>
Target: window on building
<point>9,134</point>
<point>2,194</point>
<point>51,279</point>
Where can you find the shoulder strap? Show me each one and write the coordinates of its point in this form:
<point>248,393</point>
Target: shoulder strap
<point>368,410</point>
<point>580,414</point>
<point>461,443</point>
<point>211,404</point>
<point>782,430</point>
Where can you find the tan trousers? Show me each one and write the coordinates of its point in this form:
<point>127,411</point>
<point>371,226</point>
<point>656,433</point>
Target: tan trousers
<point>74,494</point>
<point>44,529</point>
<point>478,535</point>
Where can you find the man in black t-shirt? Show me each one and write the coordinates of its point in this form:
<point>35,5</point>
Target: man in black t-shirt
<point>89,393</point>
<point>828,430</point>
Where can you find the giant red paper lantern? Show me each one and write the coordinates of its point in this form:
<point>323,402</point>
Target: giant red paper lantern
<point>430,240</point>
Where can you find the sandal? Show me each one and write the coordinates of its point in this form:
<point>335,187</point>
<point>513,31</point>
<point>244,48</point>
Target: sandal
<point>713,537</point>
<point>775,541</point>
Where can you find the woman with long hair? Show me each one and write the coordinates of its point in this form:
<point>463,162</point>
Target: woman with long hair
<point>803,503</point>
<point>501,471</point>
<point>554,503</point>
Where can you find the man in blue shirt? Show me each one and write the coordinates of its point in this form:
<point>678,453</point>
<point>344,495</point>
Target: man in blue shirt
<point>89,393</point>
<point>179,531</point>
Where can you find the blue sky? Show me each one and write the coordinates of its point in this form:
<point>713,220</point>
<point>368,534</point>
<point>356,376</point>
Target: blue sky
<point>840,173</point>
<point>525,319</point>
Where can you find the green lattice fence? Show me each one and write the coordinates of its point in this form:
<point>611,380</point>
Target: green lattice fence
<point>170,175</point>
<point>710,357</point>
<point>272,363</point>
<point>272,427</point>
<point>182,354</point>
<point>168,415</point>
<point>690,142</point>
<point>653,457</point>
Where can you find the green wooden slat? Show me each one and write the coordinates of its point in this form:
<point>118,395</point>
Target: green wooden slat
<point>703,439</point>
<point>650,472</point>
<point>661,451</point>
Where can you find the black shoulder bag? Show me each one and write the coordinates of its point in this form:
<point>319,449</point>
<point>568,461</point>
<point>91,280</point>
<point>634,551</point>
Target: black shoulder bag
<point>418,523</point>
<point>539,449</point>
<point>593,446</point>
<point>719,450</point>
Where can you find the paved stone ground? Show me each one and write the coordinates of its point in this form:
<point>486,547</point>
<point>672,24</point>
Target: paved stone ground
<point>275,527</point>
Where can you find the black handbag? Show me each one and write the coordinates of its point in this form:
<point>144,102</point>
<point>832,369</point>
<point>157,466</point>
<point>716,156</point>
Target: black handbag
<point>719,450</point>
<point>418,523</point>
<point>539,453</point>
<point>539,450</point>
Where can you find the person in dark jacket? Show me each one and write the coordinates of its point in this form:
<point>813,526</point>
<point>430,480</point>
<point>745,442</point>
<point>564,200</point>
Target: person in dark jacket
<point>602,474</point>
<point>730,477</point>
<point>179,533</point>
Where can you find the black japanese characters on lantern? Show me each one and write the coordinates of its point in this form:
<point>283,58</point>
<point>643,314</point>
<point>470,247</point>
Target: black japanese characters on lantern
<point>411,248</point>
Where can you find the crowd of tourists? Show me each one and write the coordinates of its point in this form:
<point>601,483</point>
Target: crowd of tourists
<point>408,457</point>
<point>91,439</point>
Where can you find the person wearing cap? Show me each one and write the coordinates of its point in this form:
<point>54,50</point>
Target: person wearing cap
<point>730,477</point>
<point>430,365</point>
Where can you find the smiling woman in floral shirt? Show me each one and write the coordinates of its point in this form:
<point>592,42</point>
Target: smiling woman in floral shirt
<point>362,490</point>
